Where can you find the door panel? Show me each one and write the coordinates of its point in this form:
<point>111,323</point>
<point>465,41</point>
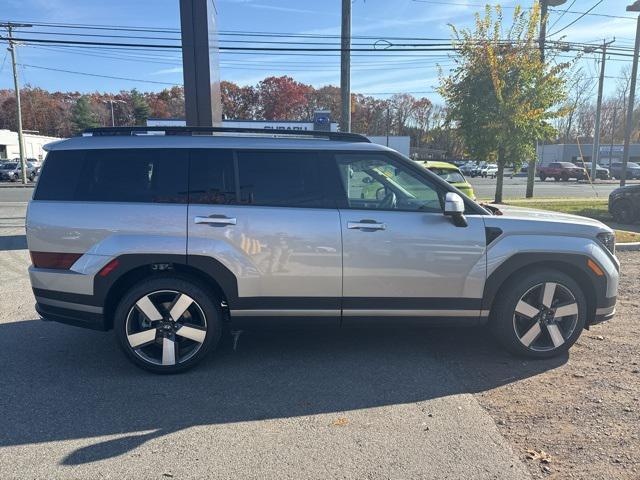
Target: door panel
<point>272,251</point>
<point>401,255</point>
<point>416,255</point>
<point>264,216</point>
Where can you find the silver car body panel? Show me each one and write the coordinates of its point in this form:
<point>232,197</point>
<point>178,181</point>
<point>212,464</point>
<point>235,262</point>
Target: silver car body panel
<point>536,231</point>
<point>417,255</point>
<point>100,231</point>
<point>273,251</point>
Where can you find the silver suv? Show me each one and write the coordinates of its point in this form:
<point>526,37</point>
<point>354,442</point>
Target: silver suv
<point>170,235</point>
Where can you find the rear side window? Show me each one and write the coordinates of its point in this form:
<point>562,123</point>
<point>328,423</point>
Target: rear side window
<point>212,177</point>
<point>282,179</point>
<point>115,175</point>
<point>59,176</point>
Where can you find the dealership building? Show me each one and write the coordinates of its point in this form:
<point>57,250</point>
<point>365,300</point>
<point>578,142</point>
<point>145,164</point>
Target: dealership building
<point>570,152</point>
<point>33,143</point>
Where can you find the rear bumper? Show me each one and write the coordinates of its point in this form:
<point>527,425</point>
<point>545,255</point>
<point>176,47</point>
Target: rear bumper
<point>70,313</point>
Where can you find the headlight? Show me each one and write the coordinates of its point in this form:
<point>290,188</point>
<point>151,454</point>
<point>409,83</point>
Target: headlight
<point>608,239</point>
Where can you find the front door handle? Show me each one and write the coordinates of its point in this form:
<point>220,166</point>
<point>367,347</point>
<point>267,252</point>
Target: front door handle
<point>216,220</point>
<point>366,225</point>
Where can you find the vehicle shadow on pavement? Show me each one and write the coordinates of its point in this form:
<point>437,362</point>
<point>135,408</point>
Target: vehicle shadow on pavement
<point>13,242</point>
<point>62,383</point>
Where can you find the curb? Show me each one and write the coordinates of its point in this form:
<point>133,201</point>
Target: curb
<point>17,185</point>
<point>628,247</point>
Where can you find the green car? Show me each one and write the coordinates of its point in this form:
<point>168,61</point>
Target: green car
<point>451,174</point>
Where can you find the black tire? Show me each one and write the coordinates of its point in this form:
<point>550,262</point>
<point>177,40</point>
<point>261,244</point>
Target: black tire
<point>543,178</point>
<point>509,326</point>
<point>622,211</point>
<point>556,178</point>
<point>166,290</point>
<point>565,177</point>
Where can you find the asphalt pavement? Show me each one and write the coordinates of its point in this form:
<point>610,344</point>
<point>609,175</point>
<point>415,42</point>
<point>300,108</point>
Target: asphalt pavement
<point>360,403</point>
<point>516,187</point>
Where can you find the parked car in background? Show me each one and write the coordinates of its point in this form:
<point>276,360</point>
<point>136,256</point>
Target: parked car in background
<point>451,174</point>
<point>489,170</point>
<point>561,171</point>
<point>624,204</point>
<point>633,170</point>
<point>468,167</point>
<point>602,173</point>
<point>12,171</point>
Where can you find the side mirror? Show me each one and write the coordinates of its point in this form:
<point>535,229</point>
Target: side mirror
<point>454,208</point>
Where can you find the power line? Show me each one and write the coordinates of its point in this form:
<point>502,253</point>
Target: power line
<point>576,20</point>
<point>562,15</point>
<point>482,5</point>
<point>97,75</point>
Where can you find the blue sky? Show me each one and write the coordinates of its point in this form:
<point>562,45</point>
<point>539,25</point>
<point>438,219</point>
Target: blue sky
<point>413,73</point>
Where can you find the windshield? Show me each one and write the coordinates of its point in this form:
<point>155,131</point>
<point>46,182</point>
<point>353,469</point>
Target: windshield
<point>451,176</point>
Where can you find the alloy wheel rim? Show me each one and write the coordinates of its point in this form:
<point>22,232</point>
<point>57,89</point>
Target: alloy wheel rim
<point>166,327</point>
<point>545,316</point>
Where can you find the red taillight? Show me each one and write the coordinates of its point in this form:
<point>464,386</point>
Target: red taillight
<point>62,261</point>
<point>109,267</point>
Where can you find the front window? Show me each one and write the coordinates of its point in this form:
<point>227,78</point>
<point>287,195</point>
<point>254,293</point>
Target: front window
<point>377,182</point>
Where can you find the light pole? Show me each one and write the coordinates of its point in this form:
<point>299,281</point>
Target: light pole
<point>634,7</point>
<point>111,101</point>
<point>544,8</point>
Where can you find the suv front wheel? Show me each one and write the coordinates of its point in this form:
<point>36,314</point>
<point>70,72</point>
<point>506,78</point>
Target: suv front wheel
<point>168,324</point>
<point>540,315</point>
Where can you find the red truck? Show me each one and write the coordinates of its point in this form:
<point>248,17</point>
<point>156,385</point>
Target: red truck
<point>561,171</point>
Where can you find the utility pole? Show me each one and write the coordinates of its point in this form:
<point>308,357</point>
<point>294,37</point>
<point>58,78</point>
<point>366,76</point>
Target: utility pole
<point>111,101</point>
<point>544,10</point>
<point>595,154</point>
<point>635,7</point>
<point>345,66</point>
<point>12,48</point>
<point>613,132</point>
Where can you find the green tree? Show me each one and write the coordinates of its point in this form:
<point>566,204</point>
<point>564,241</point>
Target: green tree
<point>500,94</point>
<point>140,107</point>
<point>82,115</point>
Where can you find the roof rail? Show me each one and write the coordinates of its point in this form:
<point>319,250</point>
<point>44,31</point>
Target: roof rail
<point>169,130</point>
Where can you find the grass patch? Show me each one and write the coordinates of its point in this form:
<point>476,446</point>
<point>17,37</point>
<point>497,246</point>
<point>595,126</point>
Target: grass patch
<point>587,207</point>
<point>592,208</point>
<point>623,236</point>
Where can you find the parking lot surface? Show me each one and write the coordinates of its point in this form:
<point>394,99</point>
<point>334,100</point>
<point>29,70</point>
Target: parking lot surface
<point>516,187</point>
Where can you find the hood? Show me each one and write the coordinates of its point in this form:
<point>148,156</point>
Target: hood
<point>530,219</point>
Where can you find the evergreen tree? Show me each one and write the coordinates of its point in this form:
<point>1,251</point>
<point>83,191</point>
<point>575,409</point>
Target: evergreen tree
<point>82,116</point>
<point>140,107</point>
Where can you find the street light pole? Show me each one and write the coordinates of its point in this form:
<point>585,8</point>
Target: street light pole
<point>595,154</point>
<point>111,101</point>
<point>635,7</point>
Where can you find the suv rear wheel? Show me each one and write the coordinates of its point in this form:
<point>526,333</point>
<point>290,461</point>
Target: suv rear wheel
<point>540,315</point>
<point>168,324</point>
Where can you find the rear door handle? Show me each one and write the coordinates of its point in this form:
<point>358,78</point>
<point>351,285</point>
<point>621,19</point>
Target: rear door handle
<point>219,220</point>
<point>366,225</point>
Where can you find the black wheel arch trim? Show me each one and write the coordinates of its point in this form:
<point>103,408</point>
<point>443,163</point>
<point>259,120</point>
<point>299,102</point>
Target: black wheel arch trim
<point>571,264</point>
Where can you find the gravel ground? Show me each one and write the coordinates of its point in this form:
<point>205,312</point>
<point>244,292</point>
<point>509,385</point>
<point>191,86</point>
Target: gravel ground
<point>583,413</point>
